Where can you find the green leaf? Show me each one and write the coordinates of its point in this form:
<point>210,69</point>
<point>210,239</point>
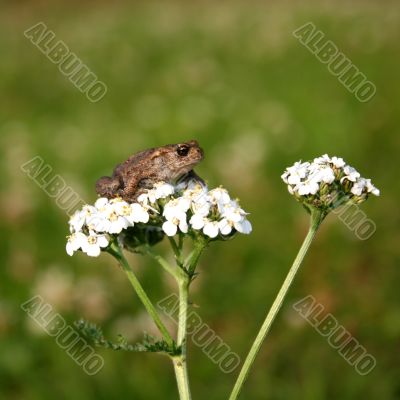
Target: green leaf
<point>149,344</point>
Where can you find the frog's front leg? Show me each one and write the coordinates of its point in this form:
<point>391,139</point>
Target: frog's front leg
<point>191,175</point>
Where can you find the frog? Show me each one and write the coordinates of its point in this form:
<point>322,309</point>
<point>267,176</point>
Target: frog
<point>169,164</point>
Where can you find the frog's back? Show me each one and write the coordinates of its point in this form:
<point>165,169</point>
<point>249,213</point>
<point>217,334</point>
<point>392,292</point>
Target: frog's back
<point>136,161</point>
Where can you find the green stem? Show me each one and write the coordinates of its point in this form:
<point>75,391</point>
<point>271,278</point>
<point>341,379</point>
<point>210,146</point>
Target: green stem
<point>183,308</point>
<point>116,251</point>
<point>162,261</point>
<point>175,249</point>
<point>180,363</point>
<point>316,220</point>
<point>185,276</point>
<point>180,241</point>
<point>193,258</point>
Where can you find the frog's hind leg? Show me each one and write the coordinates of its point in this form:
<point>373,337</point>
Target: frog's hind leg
<point>129,191</point>
<point>108,187</point>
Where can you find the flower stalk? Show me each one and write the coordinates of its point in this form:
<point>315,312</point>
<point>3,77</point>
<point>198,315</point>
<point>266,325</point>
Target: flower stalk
<point>179,362</point>
<point>116,251</point>
<point>317,217</point>
<point>193,258</point>
<point>162,261</point>
<point>183,279</point>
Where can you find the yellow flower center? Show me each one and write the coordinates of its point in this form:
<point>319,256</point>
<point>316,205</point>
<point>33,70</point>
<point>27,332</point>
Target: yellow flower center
<point>113,216</point>
<point>92,240</point>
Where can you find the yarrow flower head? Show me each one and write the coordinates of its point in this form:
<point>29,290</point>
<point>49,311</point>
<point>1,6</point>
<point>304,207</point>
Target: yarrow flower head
<point>326,183</point>
<point>187,208</point>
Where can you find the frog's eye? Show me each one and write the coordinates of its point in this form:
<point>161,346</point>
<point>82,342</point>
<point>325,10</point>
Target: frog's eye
<point>183,150</point>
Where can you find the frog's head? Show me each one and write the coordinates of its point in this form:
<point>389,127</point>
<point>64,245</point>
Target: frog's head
<point>182,157</point>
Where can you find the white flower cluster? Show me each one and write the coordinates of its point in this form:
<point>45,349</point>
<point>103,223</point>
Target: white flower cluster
<point>324,179</point>
<point>212,212</point>
<point>91,226</point>
<point>171,208</point>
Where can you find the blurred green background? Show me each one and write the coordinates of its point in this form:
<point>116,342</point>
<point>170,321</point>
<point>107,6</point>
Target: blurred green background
<point>231,75</point>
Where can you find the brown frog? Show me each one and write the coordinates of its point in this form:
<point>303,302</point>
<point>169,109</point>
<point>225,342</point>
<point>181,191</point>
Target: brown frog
<point>167,163</point>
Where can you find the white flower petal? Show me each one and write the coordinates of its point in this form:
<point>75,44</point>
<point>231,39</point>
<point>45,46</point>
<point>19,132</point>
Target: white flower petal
<point>169,228</point>
<point>197,221</point>
<point>163,190</point>
<point>183,226</point>
<point>98,222</point>
<point>77,221</point>
<point>219,196</point>
<point>338,162</point>
<point>211,229</point>
<point>92,250</point>
<point>139,213</point>
<point>183,204</point>
<point>70,248</point>
<point>102,241</point>
<point>101,203</point>
<point>351,173</point>
<point>244,226</point>
<point>201,208</point>
<point>225,227</point>
<point>143,199</point>
<point>232,212</point>
<point>118,225</point>
<point>75,242</point>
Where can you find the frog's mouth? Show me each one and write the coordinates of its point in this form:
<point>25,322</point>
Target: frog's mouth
<point>200,152</point>
<point>197,154</point>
